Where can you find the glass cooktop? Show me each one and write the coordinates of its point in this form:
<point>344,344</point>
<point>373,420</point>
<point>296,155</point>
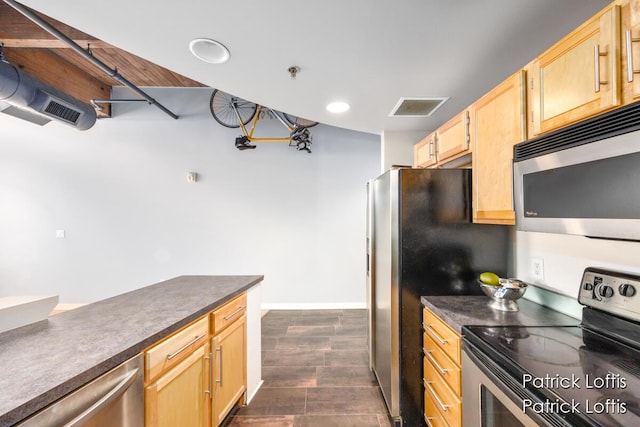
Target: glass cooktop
<point>578,374</point>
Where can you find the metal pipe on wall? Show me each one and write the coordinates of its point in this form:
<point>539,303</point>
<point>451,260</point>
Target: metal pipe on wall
<point>95,61</point>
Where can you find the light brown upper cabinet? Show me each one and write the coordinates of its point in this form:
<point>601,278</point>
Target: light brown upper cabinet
<point>498,124</point>
<point>449,142</point>
<point>579,76</point>
<point>424,152</point>
<point>630,51</point>
<point>454,138</point>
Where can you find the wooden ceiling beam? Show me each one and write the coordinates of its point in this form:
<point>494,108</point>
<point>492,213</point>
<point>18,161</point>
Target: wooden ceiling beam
<point>52,43</point>
<point>62,75</point>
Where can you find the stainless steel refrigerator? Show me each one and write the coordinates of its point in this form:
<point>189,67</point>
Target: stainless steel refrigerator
<point>420,241</point>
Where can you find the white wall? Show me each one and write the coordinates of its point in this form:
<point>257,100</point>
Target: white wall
<point>566,256</point>
<point>131,218</point>
<point>397,148</point>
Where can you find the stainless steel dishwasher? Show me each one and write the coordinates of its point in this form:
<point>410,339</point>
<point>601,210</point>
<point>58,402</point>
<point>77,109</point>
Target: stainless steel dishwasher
<point>114,399</point>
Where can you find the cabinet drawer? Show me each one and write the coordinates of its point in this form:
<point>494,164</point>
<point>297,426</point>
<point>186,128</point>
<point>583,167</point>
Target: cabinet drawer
<point>176,348</point>
<point>445,337</point>
<point>450,372</point>
<point>228,313</point>
<point>444,399</point>
<point>432,416</point>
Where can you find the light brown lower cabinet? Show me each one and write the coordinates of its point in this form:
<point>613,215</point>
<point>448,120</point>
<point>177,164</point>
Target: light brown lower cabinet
<point>229,369</point>
<point>179,397</point>
<point>441,372</point>
<point>195,376</point>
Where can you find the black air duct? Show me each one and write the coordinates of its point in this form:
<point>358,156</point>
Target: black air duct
<point>23,91</point>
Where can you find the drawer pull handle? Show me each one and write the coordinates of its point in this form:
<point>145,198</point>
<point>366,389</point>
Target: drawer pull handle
<point>434,334</point>
<point>428,420</point>
<point>435,362</point>
<point>427,385</point>
<point>184,347</point>
<point>231,315</point>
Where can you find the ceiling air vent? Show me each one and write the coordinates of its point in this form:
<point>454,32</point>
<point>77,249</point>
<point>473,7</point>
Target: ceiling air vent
<point>62,112</point>
<point>31,98</point>
<point>417,107</point>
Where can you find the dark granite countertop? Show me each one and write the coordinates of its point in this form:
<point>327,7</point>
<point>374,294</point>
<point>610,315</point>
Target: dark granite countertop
<point>458,311</point>
<point>42,362</point>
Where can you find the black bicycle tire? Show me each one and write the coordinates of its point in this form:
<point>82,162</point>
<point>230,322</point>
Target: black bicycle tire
<point>223,113</point>
<point>293,120</point>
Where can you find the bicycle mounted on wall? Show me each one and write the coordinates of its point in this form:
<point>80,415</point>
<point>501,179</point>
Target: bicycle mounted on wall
<point>234,112</point>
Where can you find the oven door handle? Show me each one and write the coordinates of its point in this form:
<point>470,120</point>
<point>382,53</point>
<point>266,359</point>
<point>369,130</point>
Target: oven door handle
<point>511,390</point>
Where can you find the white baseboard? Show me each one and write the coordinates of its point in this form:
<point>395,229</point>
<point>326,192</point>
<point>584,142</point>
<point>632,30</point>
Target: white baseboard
<point>313,306</point>
<point>250,396</point>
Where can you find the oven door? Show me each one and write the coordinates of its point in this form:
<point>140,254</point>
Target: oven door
<point>492,402</point>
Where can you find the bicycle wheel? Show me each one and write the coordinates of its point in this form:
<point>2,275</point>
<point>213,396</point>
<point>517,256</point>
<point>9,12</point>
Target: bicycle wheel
<point>293,120</point>
<point>221,105</point>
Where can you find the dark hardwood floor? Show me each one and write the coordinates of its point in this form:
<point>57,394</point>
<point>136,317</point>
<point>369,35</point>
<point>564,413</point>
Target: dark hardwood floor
<point>315,367</point>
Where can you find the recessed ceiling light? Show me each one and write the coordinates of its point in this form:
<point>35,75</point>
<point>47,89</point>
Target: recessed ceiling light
<point>209,50</point>
<point>338,107</point>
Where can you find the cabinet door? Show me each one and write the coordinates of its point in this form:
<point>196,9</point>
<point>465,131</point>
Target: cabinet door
<point>499,124</point>
<point>424,152</point>
<point>180,396</point>
<point>454,138</point>
<point>630,19</point>
<point>579,76</point>
<point>229,361</point>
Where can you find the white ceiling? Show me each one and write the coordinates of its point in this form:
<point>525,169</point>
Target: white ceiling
<point>368,53</point>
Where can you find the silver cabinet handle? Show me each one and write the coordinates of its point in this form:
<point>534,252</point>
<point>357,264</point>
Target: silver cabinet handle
<point>428,420</point>
<point>629,44</point>
<point>219,381</point>
<point>238,310</point>
<point>427,385</point>
<point>431,148</point>
<point>434,334</point>
<point>467,136</point>
<point>596,58</point>
<point>184,347</point>
<point>113,394</point>
<point>435,363</point>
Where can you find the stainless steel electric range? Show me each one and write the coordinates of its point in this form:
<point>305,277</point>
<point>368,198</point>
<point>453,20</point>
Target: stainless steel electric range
<point>583,375</point>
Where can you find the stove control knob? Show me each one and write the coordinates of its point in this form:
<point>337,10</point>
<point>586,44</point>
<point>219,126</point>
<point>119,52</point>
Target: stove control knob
<point>627,290</point>
<point>606,291</point>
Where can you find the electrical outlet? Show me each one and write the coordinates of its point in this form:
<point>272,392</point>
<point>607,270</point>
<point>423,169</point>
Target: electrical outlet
<point>537,268</point>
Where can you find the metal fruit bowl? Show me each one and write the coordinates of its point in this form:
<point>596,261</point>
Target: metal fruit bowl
<point>505,295</point>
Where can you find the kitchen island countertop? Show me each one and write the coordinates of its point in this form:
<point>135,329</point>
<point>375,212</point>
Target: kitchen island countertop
<point>458,311</point>
<point>44,361</point>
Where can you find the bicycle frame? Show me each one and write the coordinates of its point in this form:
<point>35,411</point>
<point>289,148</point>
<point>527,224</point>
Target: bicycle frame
<point>254,123</point>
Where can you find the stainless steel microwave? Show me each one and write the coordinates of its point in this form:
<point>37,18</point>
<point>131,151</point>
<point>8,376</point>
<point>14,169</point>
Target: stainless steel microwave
<point>590,189</point>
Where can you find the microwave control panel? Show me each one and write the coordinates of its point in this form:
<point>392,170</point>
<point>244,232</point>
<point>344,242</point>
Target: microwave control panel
<point>614,292</point>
